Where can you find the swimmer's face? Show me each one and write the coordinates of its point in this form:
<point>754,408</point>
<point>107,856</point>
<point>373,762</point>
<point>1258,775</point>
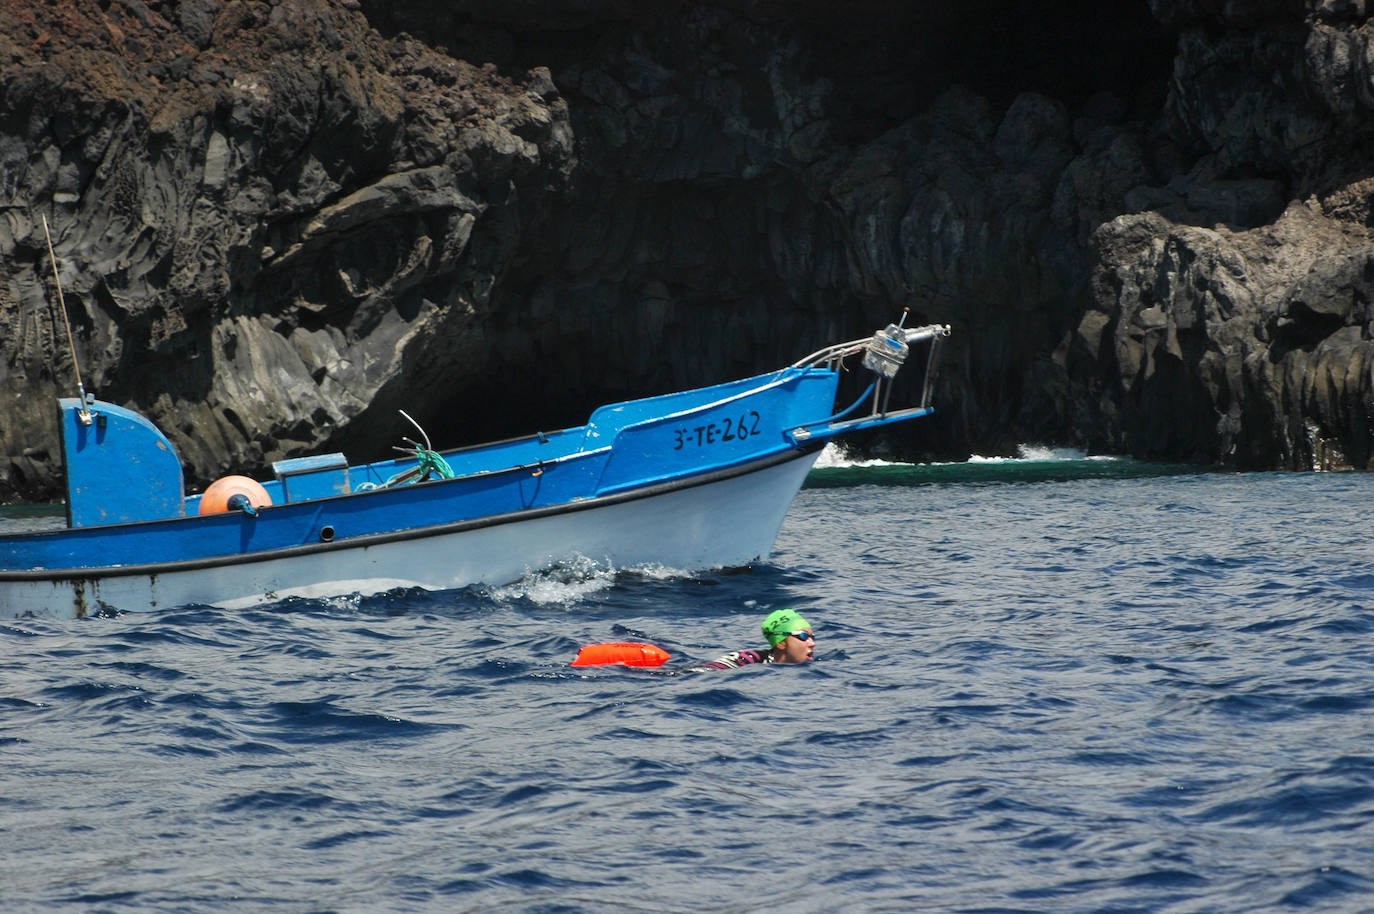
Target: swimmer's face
<point>798,647</point>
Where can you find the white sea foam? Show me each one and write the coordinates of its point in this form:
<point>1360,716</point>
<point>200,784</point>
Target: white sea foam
<point>566,582</point>
<point>346,603</point>
<point>572,581</point>
<point>1039,453</point>
<point>835,457</point>
<point>657,572</point>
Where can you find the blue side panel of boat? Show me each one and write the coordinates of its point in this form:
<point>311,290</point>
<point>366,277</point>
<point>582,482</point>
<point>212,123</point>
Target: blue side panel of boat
<point>608,420</point>
<point>120,468</point>
<point>731,424</point>
<point>302,523</point>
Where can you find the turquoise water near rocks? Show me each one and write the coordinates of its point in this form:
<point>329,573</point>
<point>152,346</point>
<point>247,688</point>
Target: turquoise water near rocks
<point>1042,684</point>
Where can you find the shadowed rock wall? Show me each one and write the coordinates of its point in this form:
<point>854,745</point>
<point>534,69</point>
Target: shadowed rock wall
<point>279,221</point>
<point>754,180</point>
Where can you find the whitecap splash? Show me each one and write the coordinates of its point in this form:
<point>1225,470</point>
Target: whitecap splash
<point>834,457</point>
<point>1040,453</point>
<point>576,580</point>
<point>347,603</point>
<point>566,582</point>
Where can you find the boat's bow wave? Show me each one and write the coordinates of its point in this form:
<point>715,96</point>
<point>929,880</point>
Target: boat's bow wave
<point>579,579</point>
<point>563,584</point>
<point>559,584</point>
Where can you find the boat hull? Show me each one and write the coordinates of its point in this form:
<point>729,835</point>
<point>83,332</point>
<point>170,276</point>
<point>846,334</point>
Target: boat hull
<point>725,518</point>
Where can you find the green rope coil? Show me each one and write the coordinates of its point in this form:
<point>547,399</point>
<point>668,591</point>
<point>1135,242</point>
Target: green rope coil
<point>427,463</point>
<point>432,462</point>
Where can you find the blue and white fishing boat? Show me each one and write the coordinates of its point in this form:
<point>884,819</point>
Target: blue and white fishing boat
<point>690,480</point>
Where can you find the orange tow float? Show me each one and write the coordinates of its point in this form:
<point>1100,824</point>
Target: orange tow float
<point>629,653</point>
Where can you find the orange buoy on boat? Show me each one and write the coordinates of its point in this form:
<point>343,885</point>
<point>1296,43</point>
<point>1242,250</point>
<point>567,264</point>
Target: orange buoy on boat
<point>629,653</point>
<point>216,497</point>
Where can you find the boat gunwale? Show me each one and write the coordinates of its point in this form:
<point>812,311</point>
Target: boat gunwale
<point>774,379</point>
<point>718,474</point>
<point>323,499</point>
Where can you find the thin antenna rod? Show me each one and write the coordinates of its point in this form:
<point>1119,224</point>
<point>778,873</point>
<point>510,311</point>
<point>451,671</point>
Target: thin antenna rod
<point>71,344</point>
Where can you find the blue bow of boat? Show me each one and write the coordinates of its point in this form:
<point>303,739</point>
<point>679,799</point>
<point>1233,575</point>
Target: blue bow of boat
<point>691,480</point>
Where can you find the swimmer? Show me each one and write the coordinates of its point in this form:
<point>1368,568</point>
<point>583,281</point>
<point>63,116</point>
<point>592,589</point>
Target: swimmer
<point>790,640</point>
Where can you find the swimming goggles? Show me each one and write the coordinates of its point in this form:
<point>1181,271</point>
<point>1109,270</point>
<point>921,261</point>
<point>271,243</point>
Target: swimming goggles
<point>803,636</point>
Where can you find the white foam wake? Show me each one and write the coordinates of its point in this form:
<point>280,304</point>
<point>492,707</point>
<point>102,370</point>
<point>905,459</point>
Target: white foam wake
<point>574,581</point>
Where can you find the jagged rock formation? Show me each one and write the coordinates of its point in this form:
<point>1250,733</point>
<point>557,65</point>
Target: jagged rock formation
<point>273,223</point>
<point>1232,315</point>
<point>279,221</point>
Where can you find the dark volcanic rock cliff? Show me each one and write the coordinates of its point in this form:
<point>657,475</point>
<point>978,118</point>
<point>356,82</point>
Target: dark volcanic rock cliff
<point>272,222</point>
<point>277,222</point>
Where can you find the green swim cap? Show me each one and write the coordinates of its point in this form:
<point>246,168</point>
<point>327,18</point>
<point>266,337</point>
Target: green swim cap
<point>781,623</point>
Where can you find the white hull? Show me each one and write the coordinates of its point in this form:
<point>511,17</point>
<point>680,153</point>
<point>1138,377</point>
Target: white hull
<point>726,522</point>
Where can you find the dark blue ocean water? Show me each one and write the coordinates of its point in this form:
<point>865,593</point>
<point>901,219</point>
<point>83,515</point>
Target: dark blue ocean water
<point>1063,686</point>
